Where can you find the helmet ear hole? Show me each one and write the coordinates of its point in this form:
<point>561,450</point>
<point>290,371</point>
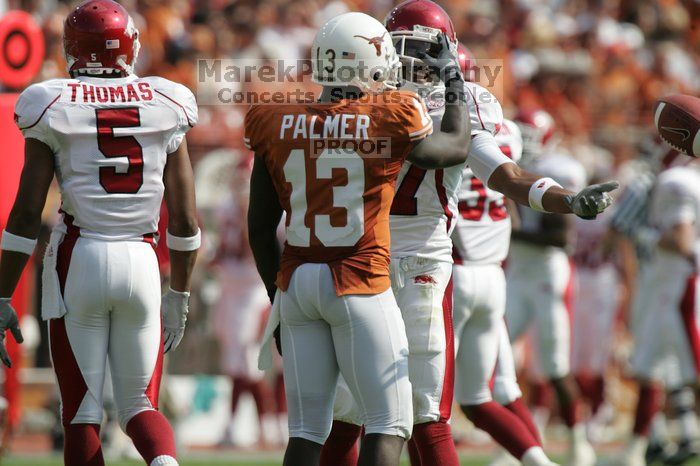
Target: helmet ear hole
<point>378,76</point>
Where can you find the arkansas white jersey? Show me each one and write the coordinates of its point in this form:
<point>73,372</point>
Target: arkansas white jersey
<point>110,139</point>
<point>425,205</point>
<point>676,198</point>
<point>563,169</point>
<point>482,234</point>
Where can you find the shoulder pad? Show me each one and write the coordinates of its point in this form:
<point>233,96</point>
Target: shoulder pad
<point>178,96</point>
<point>33,102</point>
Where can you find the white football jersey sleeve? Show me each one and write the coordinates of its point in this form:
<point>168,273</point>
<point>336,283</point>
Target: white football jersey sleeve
<point>486,121</point>
<point>482,234</point>
<point>425,204</point>
<point>110,139</point>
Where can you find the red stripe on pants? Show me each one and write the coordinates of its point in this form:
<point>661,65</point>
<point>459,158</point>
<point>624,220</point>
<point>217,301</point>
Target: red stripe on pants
<point>70,380</point>
<point>449,379</point>
<point>688,314</point>
<point>153,388</point>
<point>65,250</point>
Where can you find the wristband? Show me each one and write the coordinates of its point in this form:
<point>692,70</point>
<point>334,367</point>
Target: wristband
<point>16,243</point>
<point>180,294</point>
<point>178,243</point>
<point>537,191</point>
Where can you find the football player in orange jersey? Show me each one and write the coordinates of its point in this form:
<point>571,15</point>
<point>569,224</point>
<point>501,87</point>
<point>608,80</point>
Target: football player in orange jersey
<point>344,198</point>
<point>337,311</point>
<point>421,222</point>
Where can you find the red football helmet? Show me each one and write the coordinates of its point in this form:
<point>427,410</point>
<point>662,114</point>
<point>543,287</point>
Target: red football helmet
<point>100,38</point>
<point>537,127</point>
<point>467,62</point>
<point>414,26</point>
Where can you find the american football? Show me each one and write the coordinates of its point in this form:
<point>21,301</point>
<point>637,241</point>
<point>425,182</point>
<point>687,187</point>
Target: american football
<point>349,232</point>
<point>677,119</point>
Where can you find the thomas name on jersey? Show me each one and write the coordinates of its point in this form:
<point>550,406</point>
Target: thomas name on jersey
<point>130,92</point>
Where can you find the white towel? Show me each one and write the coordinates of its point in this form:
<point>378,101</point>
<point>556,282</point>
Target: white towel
<point>397,271</point>
<point>265,356</point>
<point>52,305</point>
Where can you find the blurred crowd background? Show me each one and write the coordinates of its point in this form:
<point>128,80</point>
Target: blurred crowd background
<point>596,65</point>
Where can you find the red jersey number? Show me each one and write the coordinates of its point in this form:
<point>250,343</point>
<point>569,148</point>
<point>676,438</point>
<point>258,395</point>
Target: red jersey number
<point>405,202</point>
<point>113,146</point>
<point>474,211</point>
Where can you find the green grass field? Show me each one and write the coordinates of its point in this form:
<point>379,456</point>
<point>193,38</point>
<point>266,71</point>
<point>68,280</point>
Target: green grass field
<point>218,460</point>
<point>58,462</point>
<point>200,462</point>
<point>245,460</point>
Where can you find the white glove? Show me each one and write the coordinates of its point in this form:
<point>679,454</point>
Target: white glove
<point>175,307</point>
<point>8,321</point>
<point>592,200</point>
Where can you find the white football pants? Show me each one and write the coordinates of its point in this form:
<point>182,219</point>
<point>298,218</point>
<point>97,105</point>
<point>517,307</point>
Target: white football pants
<point>361,337</point>
<point>112,295</point>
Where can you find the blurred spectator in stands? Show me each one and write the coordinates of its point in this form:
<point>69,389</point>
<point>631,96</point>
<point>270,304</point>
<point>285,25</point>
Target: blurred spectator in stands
<point>242,310</point>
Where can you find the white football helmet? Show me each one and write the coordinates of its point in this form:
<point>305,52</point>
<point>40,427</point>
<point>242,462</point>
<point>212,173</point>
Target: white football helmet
<point>354,49</point>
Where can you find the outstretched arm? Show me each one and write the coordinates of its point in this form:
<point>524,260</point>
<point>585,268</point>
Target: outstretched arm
<point>520,185</point>
<point>264,214</point>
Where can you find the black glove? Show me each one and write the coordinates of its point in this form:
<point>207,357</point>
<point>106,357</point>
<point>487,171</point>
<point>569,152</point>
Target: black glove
<point>445,64</point>
<point>592,200</point>
<point>8,321</point>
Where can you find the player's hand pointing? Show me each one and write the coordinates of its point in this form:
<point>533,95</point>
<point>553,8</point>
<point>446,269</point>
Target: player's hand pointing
<point>592,200</point>
<point>8,321</point>
<point>175,306</point>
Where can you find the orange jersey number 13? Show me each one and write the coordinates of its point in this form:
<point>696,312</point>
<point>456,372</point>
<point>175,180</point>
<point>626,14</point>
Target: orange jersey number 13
<point>348,197</point>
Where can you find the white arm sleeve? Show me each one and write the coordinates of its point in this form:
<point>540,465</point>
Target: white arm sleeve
<point>485,156</point>
<point>485,112</point>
